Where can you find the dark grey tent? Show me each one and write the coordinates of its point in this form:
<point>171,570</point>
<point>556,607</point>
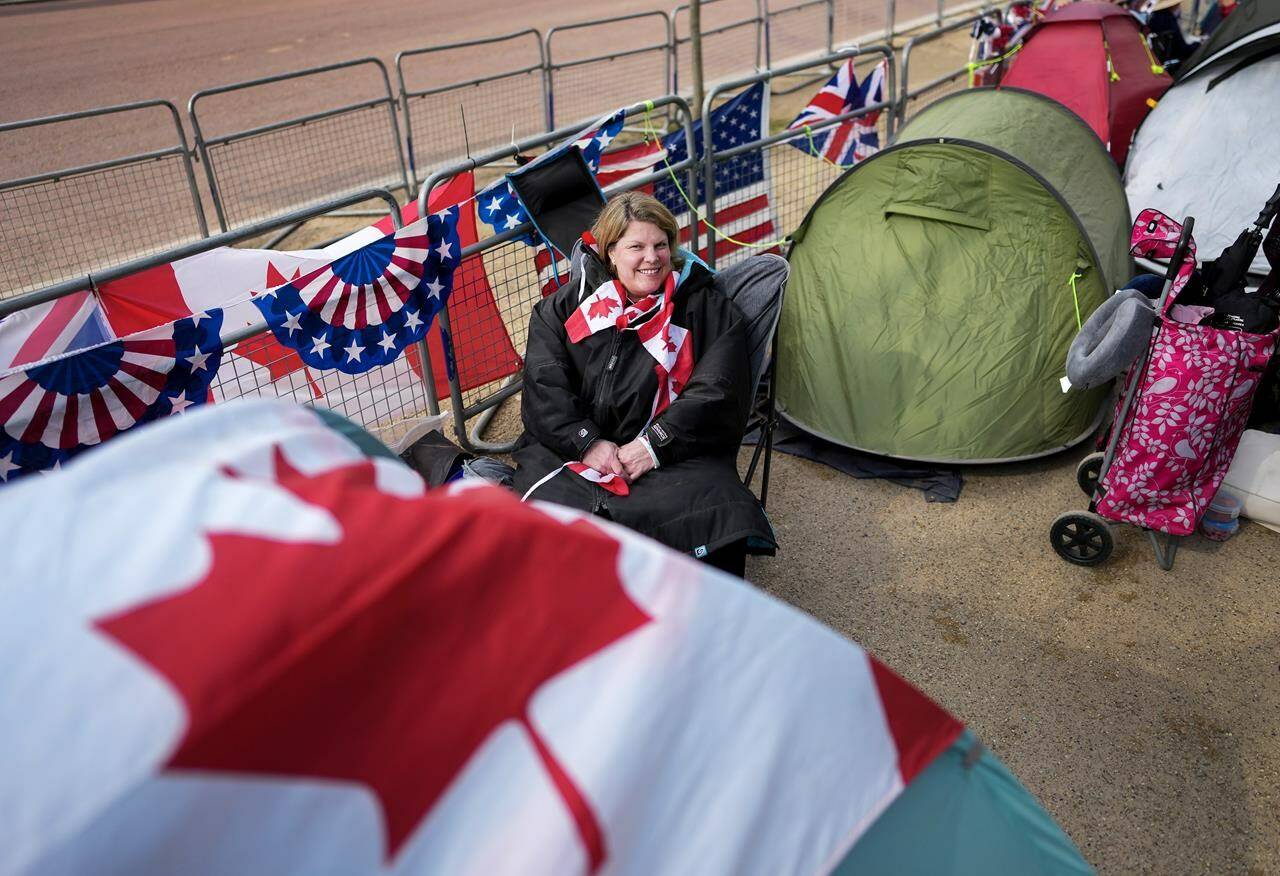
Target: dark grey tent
<point>936,286</point>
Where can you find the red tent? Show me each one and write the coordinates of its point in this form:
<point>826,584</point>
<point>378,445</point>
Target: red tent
<point>1092,58</point>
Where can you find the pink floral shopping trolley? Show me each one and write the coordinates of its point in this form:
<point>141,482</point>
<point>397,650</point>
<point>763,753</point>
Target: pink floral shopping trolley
<point>1178,421</point>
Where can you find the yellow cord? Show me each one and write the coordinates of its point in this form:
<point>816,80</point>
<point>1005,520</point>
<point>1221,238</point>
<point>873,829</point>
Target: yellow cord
<point>813,150</point>
<point>693,209</point>
<point>1111,67</point>
<point>1156,68</point>
<point>975,66</point>
<point>1076,275</point>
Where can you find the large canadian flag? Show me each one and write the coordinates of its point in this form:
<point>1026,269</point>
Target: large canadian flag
<point>254,650</point>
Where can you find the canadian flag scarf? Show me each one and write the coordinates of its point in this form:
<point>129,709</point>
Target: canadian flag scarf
<point>668,344</point>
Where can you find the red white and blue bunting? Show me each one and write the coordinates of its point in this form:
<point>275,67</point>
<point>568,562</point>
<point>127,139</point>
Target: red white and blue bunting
<point>56,408</point>
<point>362,310</point>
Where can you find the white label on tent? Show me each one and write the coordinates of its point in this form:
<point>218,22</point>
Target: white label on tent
<point>1065,383</point>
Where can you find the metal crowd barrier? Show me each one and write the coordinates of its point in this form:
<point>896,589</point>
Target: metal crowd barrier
<point>385,399</point>
<point>104,213</point>
<point>790,31</point>
<point>256,172</point>
<point>941,85</point>
<point>576,86</point>
<point>857,21</point>
<point>476,114</point>
<point>732,31</point>
<point>792,179</point>
<point>948,9</point>
<point>513,277</point>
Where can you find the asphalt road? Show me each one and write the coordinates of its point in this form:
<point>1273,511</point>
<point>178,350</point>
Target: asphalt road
<point>68,55</point>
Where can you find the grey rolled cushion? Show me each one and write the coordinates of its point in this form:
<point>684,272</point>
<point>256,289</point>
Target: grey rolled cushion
<point>1113,336</point>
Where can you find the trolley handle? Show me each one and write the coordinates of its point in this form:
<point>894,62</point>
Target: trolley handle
<point>1175,262</point>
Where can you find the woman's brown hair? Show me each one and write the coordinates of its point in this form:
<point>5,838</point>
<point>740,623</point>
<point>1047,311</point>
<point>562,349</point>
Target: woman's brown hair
<point>628,207</point>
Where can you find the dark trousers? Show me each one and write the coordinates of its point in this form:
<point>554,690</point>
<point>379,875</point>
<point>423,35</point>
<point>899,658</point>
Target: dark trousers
<point>731,558</point>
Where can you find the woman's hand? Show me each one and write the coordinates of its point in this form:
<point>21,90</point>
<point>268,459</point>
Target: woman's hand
<point>635,458</point>
<point>603,457</point>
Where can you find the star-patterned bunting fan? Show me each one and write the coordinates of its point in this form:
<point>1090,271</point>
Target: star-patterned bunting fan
<point>499,205</point>
<point>56,408</point>
<point>361,311</point>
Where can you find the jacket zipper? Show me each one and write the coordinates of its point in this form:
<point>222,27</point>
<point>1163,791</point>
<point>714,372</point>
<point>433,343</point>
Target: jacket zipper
<point>598,405</point>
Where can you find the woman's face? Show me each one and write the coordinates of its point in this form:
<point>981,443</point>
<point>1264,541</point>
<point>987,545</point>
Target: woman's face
<point>641,258</point>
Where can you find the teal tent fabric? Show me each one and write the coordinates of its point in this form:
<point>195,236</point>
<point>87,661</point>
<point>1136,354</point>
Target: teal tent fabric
<point>965,814</point>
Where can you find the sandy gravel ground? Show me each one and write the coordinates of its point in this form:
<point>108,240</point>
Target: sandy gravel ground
<point>1138,705</point>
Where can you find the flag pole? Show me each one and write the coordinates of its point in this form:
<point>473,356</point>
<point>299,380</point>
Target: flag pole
<point>695,46</point>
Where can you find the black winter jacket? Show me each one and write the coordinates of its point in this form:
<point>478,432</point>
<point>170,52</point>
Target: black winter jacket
<point>604,386</point>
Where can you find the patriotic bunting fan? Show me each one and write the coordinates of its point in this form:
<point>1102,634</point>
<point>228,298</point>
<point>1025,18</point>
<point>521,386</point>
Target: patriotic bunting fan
<point>56,408</point>
<point>360,311</point>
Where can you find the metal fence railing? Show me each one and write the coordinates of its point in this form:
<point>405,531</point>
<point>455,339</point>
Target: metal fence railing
<point>583,81</point>
<point>953,78</point>
<point>62,222</point>
<point>298,162</point>
<point>257,165</point>
<point>793,178</point>
<point>733,40</point>
<point>477,350</point>
<point>468,98</point>
<point>797,29</point>
<point>857,21</point>
<point>387,400</point>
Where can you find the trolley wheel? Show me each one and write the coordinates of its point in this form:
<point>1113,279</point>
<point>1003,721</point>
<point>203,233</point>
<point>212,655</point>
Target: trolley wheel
<point>1088,472</point>
<point>1082,538</point>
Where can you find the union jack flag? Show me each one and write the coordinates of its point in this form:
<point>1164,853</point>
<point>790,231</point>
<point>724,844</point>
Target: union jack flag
<point>853,140</point>
<point>70,323</point>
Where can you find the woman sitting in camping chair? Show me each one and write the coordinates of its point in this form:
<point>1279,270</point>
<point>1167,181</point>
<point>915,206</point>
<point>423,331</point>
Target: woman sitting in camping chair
<point>637,390</point>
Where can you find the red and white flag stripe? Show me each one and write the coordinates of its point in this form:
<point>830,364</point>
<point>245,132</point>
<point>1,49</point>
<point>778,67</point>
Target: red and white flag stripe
<point>610,482</point>
<point>70,323</point>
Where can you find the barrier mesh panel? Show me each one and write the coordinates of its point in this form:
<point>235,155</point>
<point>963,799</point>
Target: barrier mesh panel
<point>65,227</point>
<point>496,112</point>
<point>855,19</point>
<point>305,164</point>
<point>380,399</point>
<point>587,91</point>
<point>797,31</point>
<point>513,279</point>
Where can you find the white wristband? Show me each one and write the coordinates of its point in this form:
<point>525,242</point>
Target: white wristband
<point>644,439</point>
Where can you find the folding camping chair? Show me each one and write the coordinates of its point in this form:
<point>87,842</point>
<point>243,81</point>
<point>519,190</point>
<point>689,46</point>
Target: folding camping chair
<point>757,285</point>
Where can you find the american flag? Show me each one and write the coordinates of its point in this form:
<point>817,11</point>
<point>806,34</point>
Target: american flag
<point>850,141</point>
<point>744,211</point>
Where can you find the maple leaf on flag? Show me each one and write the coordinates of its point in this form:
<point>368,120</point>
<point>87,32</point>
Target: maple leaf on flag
<point>602,305</point>
<point>308,659</point>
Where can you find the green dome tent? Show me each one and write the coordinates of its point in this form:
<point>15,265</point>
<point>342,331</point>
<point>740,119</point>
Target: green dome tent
<point>936,286</point>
